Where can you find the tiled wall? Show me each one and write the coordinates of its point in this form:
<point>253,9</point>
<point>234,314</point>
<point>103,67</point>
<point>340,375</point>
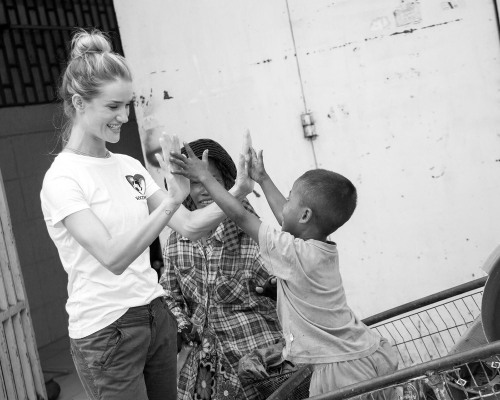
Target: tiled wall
<point>27,137</point>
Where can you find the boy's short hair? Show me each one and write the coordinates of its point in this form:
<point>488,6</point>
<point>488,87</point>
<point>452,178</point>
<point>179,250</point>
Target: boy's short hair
<point>331,196</point>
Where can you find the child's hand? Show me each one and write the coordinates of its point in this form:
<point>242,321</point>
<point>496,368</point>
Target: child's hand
<point>256,169</point>
<point>191,166</point>
<point>269,289</point>
<point>178,186</point>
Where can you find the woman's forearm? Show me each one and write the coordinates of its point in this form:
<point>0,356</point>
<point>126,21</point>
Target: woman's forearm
<point>117,252</point>
<point>199,223</point>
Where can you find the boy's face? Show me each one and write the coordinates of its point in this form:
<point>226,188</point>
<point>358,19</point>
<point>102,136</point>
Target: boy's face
<point>198,193</point>
<point>292,211</point>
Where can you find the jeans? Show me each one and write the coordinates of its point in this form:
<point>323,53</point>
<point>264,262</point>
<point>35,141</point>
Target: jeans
<point>133,358</point>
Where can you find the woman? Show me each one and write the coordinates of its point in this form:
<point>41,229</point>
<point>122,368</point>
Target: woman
<point>210,286</point>
<point>102,211</point>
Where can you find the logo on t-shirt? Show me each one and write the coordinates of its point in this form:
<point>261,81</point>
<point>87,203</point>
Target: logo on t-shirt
<point>138,183</point>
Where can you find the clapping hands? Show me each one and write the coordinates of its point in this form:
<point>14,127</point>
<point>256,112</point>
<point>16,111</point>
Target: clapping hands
<point>178,185</point>
<point>243,181</point>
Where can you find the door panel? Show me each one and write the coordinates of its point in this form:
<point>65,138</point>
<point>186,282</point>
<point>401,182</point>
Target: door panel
<point>405,100</point>
<point>215,69</point>
<point>405,97</point>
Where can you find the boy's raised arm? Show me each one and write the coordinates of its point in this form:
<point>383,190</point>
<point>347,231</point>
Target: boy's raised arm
<point>193,168</point>
<point>273,196</point>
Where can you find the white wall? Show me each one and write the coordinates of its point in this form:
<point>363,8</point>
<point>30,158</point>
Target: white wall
<point>405,96</point>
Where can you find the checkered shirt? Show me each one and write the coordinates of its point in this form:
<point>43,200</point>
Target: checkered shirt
<point>212,285</point>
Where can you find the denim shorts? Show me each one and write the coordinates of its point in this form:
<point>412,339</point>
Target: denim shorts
<point>133,358</point>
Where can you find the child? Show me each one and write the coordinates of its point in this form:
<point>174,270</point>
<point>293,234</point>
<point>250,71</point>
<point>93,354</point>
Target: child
<point>318,326</point>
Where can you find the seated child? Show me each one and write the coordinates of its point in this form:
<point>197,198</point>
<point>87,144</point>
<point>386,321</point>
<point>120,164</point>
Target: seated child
<point>318,326</point>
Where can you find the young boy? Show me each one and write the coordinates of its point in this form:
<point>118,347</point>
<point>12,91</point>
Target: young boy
<point>318,326</point>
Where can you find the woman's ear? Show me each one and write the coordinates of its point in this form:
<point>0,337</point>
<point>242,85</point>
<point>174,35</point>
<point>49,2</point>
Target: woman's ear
<point>78,103</point>
<point>306,215</point>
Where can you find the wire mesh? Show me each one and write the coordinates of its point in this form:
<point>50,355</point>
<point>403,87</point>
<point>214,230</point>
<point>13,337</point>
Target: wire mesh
<point>423,333</point>
<point>479,379</point>
<point>431,332</point>
<point>266,387</point>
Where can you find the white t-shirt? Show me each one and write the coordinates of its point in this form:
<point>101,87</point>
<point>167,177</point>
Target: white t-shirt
<point>318,325</point>
<point>115,189</point>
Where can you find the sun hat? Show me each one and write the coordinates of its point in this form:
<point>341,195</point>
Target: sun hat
<point>215,151</point>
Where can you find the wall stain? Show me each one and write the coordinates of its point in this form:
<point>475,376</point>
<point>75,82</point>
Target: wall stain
<point>438,176</point>
<point>141,100</point>
<point>265,61</point>
<point>426,27</point>
<point>368,39</point>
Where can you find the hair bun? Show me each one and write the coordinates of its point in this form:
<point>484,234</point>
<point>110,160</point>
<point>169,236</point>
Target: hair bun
<point>84,42</point>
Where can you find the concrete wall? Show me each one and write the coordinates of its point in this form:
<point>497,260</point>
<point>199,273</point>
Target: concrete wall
<point>406,101</point>
<point>27,138</point>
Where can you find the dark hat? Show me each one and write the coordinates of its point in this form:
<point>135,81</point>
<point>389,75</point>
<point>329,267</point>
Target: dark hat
<point>215,151</point>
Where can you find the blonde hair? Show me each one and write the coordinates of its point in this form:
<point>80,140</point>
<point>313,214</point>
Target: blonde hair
<point>92,63</point>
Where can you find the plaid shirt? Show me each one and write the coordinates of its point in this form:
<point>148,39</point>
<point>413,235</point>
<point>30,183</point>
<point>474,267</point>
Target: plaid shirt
<point>212,285</point>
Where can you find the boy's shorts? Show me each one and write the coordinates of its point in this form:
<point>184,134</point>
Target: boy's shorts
<point>332,376</point>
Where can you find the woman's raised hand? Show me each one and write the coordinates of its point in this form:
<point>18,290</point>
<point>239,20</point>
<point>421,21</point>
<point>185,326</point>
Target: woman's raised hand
<point>178,185</point>
<point>243,181</point>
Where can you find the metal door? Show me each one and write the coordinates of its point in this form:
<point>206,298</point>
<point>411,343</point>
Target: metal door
<point>405,97</point>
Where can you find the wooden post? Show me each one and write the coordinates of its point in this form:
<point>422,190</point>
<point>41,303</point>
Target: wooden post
<point>21,374</point>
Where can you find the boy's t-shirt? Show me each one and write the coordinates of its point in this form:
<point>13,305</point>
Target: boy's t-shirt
<point>318,325</point>
<point>116,190</point>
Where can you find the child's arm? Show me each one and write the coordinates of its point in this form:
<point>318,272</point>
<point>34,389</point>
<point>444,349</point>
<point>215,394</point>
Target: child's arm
<point>197,223</point>
<point>193,168</point>
<point>274,197</point>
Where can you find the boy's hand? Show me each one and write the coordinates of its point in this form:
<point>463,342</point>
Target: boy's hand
<point>190,167</point>
<point>178,186</point>
<point>269,289</point>
<point>257,170</point>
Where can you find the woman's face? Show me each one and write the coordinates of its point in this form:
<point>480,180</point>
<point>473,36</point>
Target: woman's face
<point>200,196</point>
<point>104,115</point>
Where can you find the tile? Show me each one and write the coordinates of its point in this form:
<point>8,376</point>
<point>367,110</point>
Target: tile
<point>32,284</point>
<point>41,241</point>
<point>15,201</point>
<point>59,321</point>
<point>24,243</point>
<point>31,186</point>
<point>31,153</point>
<point>80,397</point>
<point>40,118</point>
<point>7,161</point>
<point>39,319</point>
<point>57,365</point>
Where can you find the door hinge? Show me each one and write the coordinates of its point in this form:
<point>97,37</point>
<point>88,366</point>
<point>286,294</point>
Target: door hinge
<point>308,126</point>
